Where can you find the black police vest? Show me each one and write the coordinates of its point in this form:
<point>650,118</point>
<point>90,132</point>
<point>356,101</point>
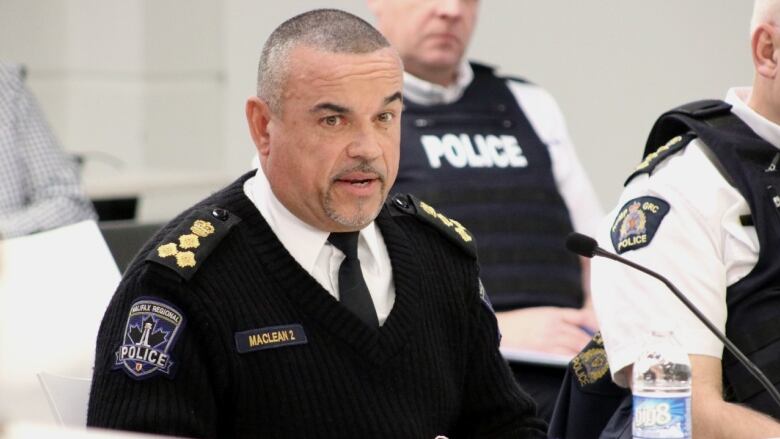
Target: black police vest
<point>480,161</point>
<point>748,163</point>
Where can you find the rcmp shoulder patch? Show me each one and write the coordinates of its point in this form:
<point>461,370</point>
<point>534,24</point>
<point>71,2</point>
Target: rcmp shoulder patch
<point>637,222</point>
<point>591,365</point>
<point>184,249</point>
<point>150,333</point>
<point>452,229</point>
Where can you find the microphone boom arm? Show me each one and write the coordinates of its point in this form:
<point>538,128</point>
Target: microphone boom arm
<point>752,368</point>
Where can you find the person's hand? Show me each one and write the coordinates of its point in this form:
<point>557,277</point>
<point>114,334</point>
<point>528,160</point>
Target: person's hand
<point>547,329</point>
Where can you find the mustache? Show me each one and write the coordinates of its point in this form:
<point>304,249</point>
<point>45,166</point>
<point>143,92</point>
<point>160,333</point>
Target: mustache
<point>363,167</point>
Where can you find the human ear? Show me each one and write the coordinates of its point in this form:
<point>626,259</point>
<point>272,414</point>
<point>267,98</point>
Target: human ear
<point>764,49</point>
<point>258,116</point>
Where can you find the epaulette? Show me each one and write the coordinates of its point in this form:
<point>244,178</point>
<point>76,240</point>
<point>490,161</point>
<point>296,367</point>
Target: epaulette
<point>676,121</point>
<point>670,148</point>
<point>186,247</point>
<point>679,124</point>
<point>407,204</point>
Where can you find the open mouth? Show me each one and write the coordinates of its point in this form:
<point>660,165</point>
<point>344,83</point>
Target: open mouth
<point>362,182</point>
<point>358,177</point>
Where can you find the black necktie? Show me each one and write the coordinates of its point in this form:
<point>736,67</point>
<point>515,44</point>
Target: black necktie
<point>353,292</point>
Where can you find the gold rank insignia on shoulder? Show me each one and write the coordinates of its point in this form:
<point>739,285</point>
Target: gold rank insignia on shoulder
<point>186,247</point>
<point>184,259</point>
<point>450,223</point>
<point>451,228</point>
<point>654,155</point>
<point>202,228</point>
<point>652,160</point>
<point>591,364</point>
<point>189,241</point>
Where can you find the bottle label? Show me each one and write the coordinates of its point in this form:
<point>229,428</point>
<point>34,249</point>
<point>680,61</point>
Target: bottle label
<point>662,417</point>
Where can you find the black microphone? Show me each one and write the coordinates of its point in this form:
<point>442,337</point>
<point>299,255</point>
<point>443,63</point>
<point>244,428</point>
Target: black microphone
<point>586,246</point>
<point>581,244</point>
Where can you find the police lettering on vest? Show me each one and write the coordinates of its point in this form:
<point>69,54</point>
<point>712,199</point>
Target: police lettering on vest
<point>477,151</point>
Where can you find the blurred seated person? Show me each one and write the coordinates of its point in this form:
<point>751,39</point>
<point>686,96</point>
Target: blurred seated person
<point>494,152</point>
<point>39,184</point>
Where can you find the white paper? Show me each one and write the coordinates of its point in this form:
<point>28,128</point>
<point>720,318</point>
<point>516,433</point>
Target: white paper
<point>54,288</point>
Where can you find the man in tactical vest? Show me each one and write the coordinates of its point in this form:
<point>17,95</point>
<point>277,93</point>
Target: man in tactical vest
<point>703,210</point>
<point>494,152</point>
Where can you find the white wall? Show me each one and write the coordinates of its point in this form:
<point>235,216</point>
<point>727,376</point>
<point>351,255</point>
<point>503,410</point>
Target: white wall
<point>616,65</point>
<point>161,84</point>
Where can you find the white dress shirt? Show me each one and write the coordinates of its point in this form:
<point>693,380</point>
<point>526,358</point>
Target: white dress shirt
<point>700,245</point>
<point>547,120</point>
<point>311,249</point>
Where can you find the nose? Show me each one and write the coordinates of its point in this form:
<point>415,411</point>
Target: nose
<point>365,145</point>
<point>449,8</point>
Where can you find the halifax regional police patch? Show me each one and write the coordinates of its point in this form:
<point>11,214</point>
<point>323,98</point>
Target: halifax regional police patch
<point>637,223</point>
<point>150,333</point>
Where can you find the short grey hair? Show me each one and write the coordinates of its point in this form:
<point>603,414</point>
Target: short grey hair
<point>329,30</point>
<point>764,11</point>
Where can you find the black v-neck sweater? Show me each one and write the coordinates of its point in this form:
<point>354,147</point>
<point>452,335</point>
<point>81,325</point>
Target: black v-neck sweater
<point>432,369</point>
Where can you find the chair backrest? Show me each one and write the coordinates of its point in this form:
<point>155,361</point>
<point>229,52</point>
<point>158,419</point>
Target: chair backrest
<point>125,239</point>
<point>68,398</point>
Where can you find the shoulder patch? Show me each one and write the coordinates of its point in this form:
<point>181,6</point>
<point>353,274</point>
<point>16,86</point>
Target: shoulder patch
<point>452,229</point>
<point>151,331</point>
<point>591,365</point>
<point>637,222</point>
<point>659,155</point>
<point>186,247</point>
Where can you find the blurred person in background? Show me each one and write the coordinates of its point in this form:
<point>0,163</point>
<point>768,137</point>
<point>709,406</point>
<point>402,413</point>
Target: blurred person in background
<point>494,152</point>
<point>39,182</point>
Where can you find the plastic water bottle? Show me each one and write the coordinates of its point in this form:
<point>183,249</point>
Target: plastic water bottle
<point>662,390</point>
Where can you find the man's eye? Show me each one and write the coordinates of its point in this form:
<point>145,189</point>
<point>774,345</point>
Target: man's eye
<point>386,117</point>
<point>332,121</point>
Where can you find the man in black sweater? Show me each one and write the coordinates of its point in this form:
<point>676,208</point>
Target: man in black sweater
<point>298,302</point>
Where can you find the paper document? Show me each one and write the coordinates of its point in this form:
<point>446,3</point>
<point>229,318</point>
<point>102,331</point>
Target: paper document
<point>535,357</point>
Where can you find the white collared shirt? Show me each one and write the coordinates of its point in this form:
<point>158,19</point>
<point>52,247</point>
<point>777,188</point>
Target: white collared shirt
<point>428,93</point>
<point>309,246</point>
<point>547,120</point>
<point>700,246</point>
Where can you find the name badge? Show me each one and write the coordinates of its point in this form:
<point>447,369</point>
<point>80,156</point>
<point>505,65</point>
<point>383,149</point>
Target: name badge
<point>269,338</point>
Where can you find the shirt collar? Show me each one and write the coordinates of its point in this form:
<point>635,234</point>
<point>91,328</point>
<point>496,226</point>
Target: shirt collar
<point>738,97</point>
<point>428,93</point>
<point>303,241</point>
